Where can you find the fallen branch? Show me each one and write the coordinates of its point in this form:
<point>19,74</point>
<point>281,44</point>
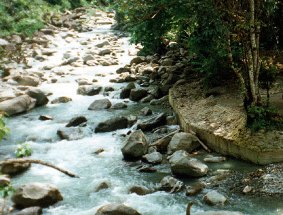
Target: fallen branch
<point>203,145</point>
<point>27,160</point>
<point>164,137</point>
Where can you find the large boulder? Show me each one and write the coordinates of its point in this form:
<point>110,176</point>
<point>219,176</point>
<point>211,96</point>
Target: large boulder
<point>219,213</point>
<point>183,141</point>
<point>39,96</point>
<point>135,146</point>
<point>112,124</point>
<point>214,198</point>
<point>182,164</point>
<point>116,209</point>
<point>89,90</point>
<point>36,194</point>
<point>18,105</point>
<point>100,104</point>
<point>138,94</point>
<point>14,168</point>
<point>77,121</point>
<point>148,125</point>
<point>72,133</point>
<point>27,80</point>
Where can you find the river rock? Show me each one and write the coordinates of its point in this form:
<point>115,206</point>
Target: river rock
<point>30,211</point>
<point>76,121</point>
<point>171,184</point>
<point>123,70</point>
<point>101,44</point>
<point>89,90</point>
<point>162,144</point>
<point>183,141</point>
<point>214,198</point>
<point>146,111</point>
<point>135,146</point>
<point>125,92</point>
<point>104,52</point>
<point>194,189</point>
<point>148,125</point>
<point>100,104</point>
<point>27,80</point>
<point>119,105</point>
<point>14,168</point>
<point>116,209</point>
<point>62,99</point>
<point>214,159</point>
<point>182,164</point>
<point>153,158</point>
<point>138,94</point>
<point>137,60</point>
<point>17,105</point>
<point>39,96</point>
<point>6,94</point>
<point>102,186</point>
<point>36,194</point>
<point>140,190</point>
<point>160,101</point>
<point>72,133</point>
<point>4,180</point>
<point>112,124</point>
<point>219,213</point>
<point>45,117</point>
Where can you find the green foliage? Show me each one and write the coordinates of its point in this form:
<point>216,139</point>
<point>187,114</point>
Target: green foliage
<point>264,118</point>
<point>3,129</point>
<point>6,191</point>
<point>23,150</point>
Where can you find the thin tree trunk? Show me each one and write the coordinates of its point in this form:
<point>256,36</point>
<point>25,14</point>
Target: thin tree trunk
<point>27,160</point>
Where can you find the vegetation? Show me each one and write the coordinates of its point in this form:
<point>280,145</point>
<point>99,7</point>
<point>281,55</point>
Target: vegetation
<point>3,129</point>
<point>223,36</point>
<point>23,150</point>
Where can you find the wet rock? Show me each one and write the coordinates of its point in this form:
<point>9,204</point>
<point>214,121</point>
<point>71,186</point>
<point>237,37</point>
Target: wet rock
<point>160,101</point>
<point>214,198</point>
<point>119,105</point>
<point>108,89</point>
<point>104,52</point>
<point>116,209</point>
<point>147,99</point>
<point>247,189</point>
<point>182,164</point>
<point>162,144</point>
<point>99,151</point>
<point>146,168</point>
<point>123,70</point>
<point>82,81</point>
<point>17,105</point>
<point>102,186</point>
<point>140,190</point>
<point>194,189</point>
<point>36,194</point>
<point>137,60</point>
<point>214,159</point>
<point>125,92</point>
<point>89,90</point>
<point>15,168</point>
<point>148,125</point>
<point>146,111</point>
<point>39,96</point>
<point>72,133</point>
<point>62,99</point>
<point>4,180</point>
<point>183,141</point>
<point>153,158</point>
<point>171,184</point>
<point>138,94</point>
<point>101,44</point>
<point>135,146</point>
<point>76,121</point>
<point>132,120</point>
<point>112,124</point>
<point>27,80</point>
<point>100,104</point>
<point>30,211</point>
<point>45,117</point>
<point>219,213</point>
<point>171,120</point>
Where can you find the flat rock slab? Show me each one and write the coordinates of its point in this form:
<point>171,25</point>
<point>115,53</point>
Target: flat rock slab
<point>116,209</point>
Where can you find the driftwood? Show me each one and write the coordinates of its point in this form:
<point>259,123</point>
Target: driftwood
<point>164,137</point>
<point>27,160</point>
<point>188,211</point>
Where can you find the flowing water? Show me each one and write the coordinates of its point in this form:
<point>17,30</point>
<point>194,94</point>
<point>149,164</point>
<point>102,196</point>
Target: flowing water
<point>78,156</point>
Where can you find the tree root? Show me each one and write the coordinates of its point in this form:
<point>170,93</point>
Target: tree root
<point>27,160</point>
